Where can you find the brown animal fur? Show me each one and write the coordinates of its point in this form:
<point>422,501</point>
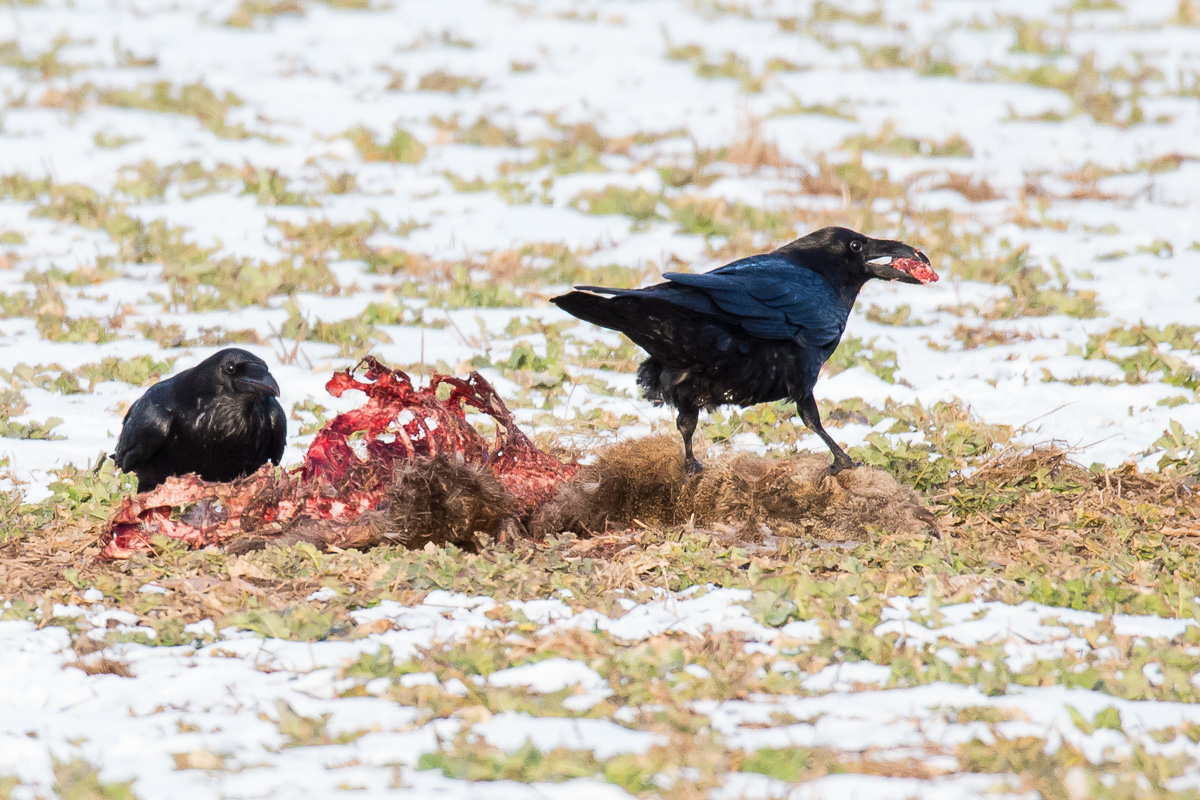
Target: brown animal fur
<point>444,501</point>
<point>643,481</point>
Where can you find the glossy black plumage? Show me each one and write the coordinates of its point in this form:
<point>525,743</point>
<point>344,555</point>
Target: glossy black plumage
<point>752,331</point>
<point>219,419</point>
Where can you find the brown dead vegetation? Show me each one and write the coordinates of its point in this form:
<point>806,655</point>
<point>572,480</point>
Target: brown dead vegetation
<point>1041,497</point>
<point>753,151</point>
<point>988,336</point>
<point>975,190</point>
<point>628,507</point>
<point>102,665</point>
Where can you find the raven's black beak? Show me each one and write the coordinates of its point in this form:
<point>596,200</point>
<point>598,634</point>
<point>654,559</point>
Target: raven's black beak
<point>896,261</point>
<point>264,384</point>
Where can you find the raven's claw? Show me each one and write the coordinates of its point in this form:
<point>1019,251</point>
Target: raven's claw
<point>840,466</point>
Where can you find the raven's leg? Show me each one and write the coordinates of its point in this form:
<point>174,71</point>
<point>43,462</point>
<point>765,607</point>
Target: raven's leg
<point>807,406</point>
<point>685,421</point>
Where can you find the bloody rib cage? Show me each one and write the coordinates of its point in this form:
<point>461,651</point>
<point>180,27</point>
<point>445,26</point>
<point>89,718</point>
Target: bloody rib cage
<point>348,466</point>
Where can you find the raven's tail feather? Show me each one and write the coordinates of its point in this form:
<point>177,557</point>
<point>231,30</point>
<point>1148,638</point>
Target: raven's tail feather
<point>595,309</point>
<point>621,315</point>
<point>673,336</point>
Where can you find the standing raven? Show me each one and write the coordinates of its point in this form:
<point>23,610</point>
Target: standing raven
<point>219,419</point>
<point>753,331</point>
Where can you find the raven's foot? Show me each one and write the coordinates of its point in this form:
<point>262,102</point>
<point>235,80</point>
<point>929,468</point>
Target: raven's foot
<point>691,466</point>
<point>840,465</point>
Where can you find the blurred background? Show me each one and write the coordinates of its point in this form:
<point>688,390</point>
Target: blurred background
<point>318,180</point>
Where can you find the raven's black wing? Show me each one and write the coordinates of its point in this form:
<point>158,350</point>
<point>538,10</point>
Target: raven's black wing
<point>767,297</point>
<point>773,298</point>
<point>144,432</point>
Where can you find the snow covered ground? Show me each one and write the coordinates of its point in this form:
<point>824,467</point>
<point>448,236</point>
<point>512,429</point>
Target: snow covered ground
<point>315,180</point>
<point>237,715</point>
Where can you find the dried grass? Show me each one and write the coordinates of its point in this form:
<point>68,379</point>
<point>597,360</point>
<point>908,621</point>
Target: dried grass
<point>102,665</point>
<point>1041,494</point>
<point>1021,507</point>
<point>505,266</point>
<point>988,336</point>
<point>753,151</point>
<point>975,190</point>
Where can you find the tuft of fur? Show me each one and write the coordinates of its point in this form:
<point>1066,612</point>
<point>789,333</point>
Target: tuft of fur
<point>643,481</point>
<point>444,500</point>
<point>797,496</point>
<point>639,480</point>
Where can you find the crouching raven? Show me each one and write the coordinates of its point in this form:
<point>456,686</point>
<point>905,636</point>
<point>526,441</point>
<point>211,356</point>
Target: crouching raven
<point>219,419</point>
<point>753,331</point>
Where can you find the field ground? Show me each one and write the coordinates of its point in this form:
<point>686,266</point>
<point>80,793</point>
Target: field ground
<point>316,180</point>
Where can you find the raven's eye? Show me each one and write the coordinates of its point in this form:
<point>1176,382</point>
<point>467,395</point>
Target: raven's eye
<point>230,369</point>
<point>856,246</point>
